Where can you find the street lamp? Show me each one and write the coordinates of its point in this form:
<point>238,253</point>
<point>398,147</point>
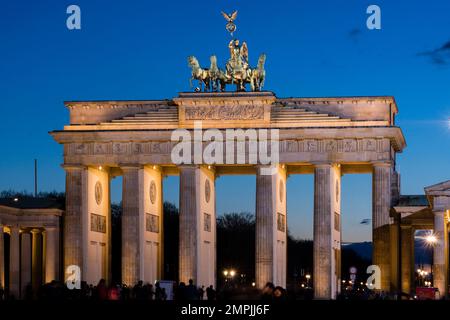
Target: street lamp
<point>308,276</point>
<point>225,273</point>
<point>431,241</point>
<point>232,273</point>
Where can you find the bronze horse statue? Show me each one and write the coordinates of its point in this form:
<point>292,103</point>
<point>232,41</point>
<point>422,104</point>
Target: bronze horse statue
<point>258,75</point>
<point>237,71</point>
<point>200,74</point>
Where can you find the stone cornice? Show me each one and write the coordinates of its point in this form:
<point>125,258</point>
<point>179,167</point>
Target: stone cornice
<point>219,99</point>
<point>394,134</point>
<point>339,100</point>
<point>30,212</point>
<point>114,104</point>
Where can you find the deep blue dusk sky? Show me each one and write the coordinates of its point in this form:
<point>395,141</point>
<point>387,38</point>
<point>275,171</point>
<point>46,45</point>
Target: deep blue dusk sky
<point>138,49</point>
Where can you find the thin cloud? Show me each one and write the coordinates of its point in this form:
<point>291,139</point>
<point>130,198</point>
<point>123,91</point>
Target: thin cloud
<point>365,221</point>
<point>354,34</point>
<point>439,56</point>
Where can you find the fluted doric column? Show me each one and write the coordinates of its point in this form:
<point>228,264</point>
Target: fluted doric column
<point>130,225</point>
<point>407,257</point>
<point>381,204</point>
<point>440,253</point>
<point>2,260</point>
<point>25,262</point>
<point>51,254</point>
<point>73,218</point>
<point>36,259</point>
<point>14,262</point>
<point>271,226</point>
<point>151,222</point>
<point>327,227</point>
<point>197,238</point>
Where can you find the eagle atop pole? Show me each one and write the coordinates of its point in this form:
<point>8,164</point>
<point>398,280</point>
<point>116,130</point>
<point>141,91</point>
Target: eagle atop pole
<point>230,17</point>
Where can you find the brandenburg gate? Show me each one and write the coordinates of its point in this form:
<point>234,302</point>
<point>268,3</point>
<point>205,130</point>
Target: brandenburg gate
<point>140,141</point>
<point>327,137</point>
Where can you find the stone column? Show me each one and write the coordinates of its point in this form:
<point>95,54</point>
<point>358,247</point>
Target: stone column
<point>188,224</point>
<point>440,253</point>
<point>407,247</point>
<point>381,204</point>
<point>25,263</point>
<point>36,259</point>
<point>14,262</point>
<point>197,254</point>
<point>394,236</point>
<point>270,227</point>
<point>73,218</point>
<point>51,254</point>
<point>130,226</point>
<point>327,226</point>
<point>2,260</point>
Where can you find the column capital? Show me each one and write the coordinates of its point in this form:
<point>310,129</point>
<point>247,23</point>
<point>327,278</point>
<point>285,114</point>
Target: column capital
<point>382,164</point>
<point>73,167</point>
<point>322,164</point>
<point>130,166</point>
<point>325,164</point>
<point>189,166</point>
<point>14,227</point>
<point>282,166</point>
<point>50,228</point>
<point>35,231</point>
<point>154,167</point>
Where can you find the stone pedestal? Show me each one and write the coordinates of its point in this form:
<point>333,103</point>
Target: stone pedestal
<point>130,226</point>
<point>327,231</point>
<point>440,253</point>
<point>271,227</point>
<point>381,204</point>
<point>51,254</point>
<point>14,262</point>
<point>197,225</point>
<point>25,262</point>
<point>407,255</point>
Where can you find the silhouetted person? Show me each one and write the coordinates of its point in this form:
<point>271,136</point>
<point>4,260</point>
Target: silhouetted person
<point>163,294</point>
<point>210,293</point>
<point>180,294</point>
<point>149,293</point>
<point>279,294</point>
<point>114,292</point>
<point>191,291</point>
<point>267,293</point>
<point>158,291</point>
<point>201,292</point>
<point>102,291</point>
<point>138,291</point>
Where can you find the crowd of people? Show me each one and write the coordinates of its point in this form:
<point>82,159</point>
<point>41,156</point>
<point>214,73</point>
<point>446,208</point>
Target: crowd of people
<point>144,292</point>
<point>141,291</point>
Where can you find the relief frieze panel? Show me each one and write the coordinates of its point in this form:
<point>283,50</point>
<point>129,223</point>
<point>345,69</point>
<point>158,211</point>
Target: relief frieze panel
<point>381,146</point>
<point>232,112</point>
